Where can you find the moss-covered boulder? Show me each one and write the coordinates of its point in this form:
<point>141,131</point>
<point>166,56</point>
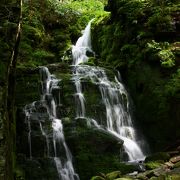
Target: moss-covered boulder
<point>94,150</point>
<point>153,164</point>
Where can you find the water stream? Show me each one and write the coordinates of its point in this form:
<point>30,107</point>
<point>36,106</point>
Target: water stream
<point>42,114</point>
<point>50,98</point>
<point>113,94</point>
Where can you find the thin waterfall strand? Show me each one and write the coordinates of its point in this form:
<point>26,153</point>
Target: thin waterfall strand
<point>49,102</point>
<point>65,168</point>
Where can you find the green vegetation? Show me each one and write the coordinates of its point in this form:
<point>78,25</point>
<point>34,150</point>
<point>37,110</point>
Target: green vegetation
<point>140,39</point>
<point>163,52</point>
<point>44,38</point>
<point>86,9</point>
<point>136,26</point>
<point>137,37</point>
<point>109,176</point>
<point>51,27</point>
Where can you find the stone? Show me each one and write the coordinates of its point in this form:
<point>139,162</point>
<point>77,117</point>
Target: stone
<point>175,159</point>
<point>149,174</point>
<point>177,165</point>
<point>142,176</point>
<point>158,156</point>
<point>169,165</point>
<point>173,153</point>
<point>174,171</point>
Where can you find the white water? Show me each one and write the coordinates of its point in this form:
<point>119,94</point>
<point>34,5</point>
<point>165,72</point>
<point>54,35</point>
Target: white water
<point>114,96</point>
<point>83,45</point>
<point>79,98</point>
<point>62,155</point>
<point>28,111</point>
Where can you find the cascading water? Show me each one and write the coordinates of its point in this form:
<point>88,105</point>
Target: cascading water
<point>114,97</point>
<point>83,45</point>
<point>49,101</point>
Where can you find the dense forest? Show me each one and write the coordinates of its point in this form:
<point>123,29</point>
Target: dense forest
<point>89,89</point>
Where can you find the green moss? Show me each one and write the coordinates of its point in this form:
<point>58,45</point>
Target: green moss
<point>97,178</point>
<point>92,150</point>
<point>153,164</point>
<point>113,175</point>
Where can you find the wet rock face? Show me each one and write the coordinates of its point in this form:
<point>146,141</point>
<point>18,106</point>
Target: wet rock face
<point>93,150</point>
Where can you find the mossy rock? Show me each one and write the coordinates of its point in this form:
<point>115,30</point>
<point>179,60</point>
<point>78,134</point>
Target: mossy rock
<point>97,178</point>
<point>153,164</point>
<point>158,156</point>
<point>93,150</point>
<point>113,175</point>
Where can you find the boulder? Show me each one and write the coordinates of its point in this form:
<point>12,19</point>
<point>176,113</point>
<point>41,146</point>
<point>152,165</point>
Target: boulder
<point>158,156</point>
<point>175,159</point>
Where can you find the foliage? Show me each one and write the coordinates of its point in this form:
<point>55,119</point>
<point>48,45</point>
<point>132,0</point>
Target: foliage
<point>110,176</point>
<point>173,86</point>
<point>40,54</point>
<point>167,58</point>
<point>51,26</point>
<point>136,22</point>
<point>140,40</point>
<point>160,22</point>
<point>153,164</point>
<point>163,51</point>
<point>88,9</point>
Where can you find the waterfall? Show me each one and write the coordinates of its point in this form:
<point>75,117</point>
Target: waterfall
<point>83,45</point>
<point>114,96</point>
<point>47,105</point>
